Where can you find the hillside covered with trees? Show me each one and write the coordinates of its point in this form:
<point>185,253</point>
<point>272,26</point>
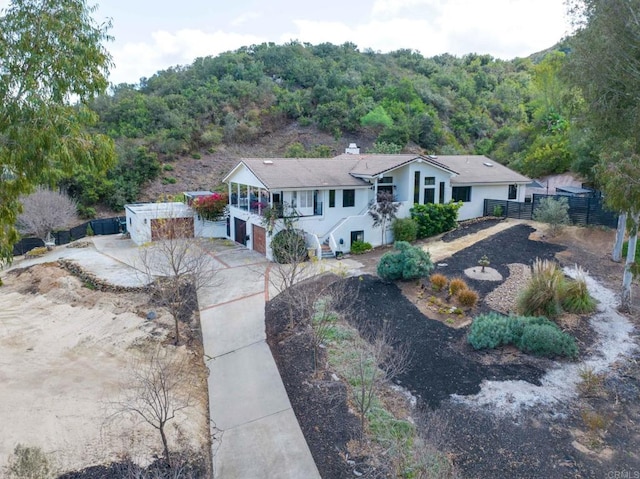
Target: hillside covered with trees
<point>517,112</point>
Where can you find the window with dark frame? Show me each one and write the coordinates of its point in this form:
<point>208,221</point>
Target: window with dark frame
<point>441,193</point>
<point>429,195</point>
<point>461,193</point>
<point>332,198</point>
<point>513,192</point>
<point>348,198</point>
<point>416,187</point>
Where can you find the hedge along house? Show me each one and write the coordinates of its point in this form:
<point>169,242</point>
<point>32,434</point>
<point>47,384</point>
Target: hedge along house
<point>332,196</point>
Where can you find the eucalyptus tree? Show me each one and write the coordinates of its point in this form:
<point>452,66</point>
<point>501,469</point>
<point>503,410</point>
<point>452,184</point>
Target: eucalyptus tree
<point>52,61</point>
<point>605,63</point>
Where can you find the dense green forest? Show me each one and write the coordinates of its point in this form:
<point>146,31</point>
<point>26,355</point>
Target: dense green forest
<point>519,112</point>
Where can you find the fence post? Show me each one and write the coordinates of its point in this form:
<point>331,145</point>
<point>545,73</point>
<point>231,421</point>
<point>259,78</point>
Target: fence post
<point>588,209</point>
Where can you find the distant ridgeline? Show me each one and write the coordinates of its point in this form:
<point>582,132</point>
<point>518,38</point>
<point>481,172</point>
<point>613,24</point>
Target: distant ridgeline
<point>516,112</point>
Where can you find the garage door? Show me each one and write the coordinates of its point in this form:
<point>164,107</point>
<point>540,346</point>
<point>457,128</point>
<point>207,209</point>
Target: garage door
<point>171,228</point>
<point>259,239</point>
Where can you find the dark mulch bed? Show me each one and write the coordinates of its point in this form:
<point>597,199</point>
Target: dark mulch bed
<point>537,444</point>
<point>320,403</point>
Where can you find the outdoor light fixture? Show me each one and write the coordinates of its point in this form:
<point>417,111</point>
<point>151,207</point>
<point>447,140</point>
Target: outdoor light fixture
<point>341,241</point>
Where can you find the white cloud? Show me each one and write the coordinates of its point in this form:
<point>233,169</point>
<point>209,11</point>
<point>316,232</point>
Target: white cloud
<point>136,60</point>
<point>244,18</point>
<point>502,28</point>
<point>383,8</point>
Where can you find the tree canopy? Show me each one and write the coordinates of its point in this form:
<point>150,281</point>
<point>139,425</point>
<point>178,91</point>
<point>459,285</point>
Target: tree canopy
<point>51,63</point>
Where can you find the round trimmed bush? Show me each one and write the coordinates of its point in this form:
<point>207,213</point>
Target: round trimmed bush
<point>406,262</point>
<point>547,340</point>
<point>289,246</point>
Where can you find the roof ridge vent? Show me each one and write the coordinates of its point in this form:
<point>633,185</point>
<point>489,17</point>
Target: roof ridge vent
<point>488,163</point>
<point>267,162</point>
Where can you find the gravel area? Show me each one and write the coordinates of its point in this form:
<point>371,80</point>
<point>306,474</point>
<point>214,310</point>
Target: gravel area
<point>504,298</point>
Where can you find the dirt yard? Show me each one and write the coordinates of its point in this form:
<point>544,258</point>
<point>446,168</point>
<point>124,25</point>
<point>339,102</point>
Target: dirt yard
<point>65,357</point>
<point>501,413</point>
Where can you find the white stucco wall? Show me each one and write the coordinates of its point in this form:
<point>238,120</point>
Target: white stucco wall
<point>139,217</point>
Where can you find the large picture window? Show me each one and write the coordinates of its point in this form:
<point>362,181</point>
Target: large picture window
<point>513,192</point>
<point>461,193</point>
<point>348,198</point>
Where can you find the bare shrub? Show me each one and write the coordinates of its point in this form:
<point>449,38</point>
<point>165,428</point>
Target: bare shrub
<point>157,387</point>
<point>177,267</point>
<point>372,365</point>
<point>45,210</point>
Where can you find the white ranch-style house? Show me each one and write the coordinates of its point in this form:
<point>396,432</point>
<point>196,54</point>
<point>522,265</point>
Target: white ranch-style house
<point>332,196</point>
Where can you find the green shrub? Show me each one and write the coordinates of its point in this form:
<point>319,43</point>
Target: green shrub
<point>497,211</point>
<point>196,156</point>
<point>535,335</point>
<point>433,219</point>
<point>554,212</point>
<point>289,246</point>
<point>489,331</point>
<point>167,167</point>
<point>90,231</point>
<point>438,281</point>
<point>547,340</point>
<point>406,262</point>
<point>404,229</point>
<point>543,293</point>
<point>169,180</point>
<point>359,247</point>
<point>86,212</point>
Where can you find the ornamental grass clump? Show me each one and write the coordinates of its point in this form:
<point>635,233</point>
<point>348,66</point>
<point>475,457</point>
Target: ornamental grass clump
<point>456,285</point>
<point>438,281</point>
<point>468,298</point>
<point>576,298</point>
<point>542,295</point>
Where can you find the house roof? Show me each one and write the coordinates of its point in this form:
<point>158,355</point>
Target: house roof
<point>349,170</point>
<point>478,169</point>
<point>374,165</point>
<point>275,173</point>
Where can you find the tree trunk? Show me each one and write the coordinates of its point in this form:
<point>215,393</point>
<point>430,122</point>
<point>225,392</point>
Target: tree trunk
<point>165,445</point>
<point>620,232</point>
<point>177,323</point>
<point>625,302</point>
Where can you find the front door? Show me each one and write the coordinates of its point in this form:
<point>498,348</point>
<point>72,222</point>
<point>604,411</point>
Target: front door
<point>240,227</point>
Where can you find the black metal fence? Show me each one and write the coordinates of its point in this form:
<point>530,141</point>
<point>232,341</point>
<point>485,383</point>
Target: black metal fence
<point>106,226</point>
<point>583,211</point>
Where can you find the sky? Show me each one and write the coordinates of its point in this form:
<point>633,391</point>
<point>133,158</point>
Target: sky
<point>152,35</point>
